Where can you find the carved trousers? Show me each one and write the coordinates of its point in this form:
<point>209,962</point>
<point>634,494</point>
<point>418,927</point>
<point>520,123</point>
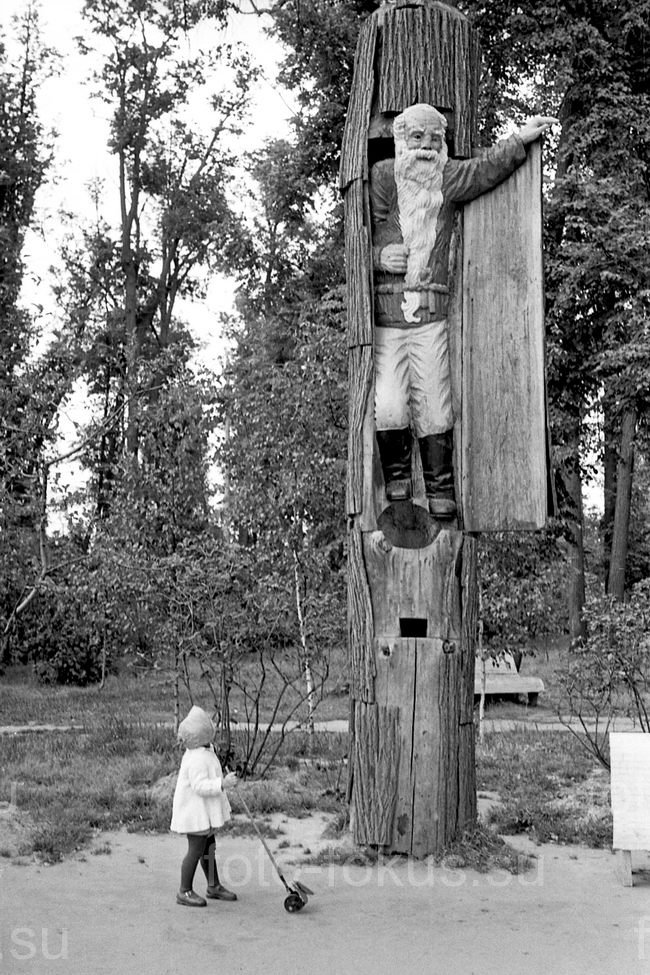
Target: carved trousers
<point>412,379</point>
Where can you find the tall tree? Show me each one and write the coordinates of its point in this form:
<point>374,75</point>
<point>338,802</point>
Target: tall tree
<point>26,388</point>
<point>174,217</point>
<point>23,161</point>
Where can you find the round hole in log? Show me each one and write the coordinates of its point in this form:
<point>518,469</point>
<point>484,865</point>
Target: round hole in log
<point>408,525</point>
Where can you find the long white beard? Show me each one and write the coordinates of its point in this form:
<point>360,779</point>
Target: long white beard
<point>418,176</point>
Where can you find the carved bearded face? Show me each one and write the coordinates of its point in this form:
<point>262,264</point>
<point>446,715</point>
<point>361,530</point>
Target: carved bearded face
<point>420,146</point>
<point>420,157</point>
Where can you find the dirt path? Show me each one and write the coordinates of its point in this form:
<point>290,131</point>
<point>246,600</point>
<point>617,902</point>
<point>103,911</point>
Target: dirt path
<point>115,913</point>
<point>537,720</point>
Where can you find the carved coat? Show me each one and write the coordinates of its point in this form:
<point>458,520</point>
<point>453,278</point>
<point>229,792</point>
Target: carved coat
<point>463,180</point>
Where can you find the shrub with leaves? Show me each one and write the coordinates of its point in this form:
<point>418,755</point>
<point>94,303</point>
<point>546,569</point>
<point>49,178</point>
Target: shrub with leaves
<point>608,673</point>
<point>240,634</point>
<point>68,633</point>
<point>523,582</point>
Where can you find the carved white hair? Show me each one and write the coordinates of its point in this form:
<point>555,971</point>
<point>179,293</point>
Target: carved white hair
<point>418,176</point>
<point>422,114</point>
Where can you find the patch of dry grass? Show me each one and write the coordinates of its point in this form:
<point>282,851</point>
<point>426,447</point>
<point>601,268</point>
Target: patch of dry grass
<point>550,787</point>
<point>72,785</point>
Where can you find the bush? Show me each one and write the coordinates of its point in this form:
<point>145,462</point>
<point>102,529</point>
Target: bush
<point>66,646</point>
<point>608,672</point>
<point>67,642</point>
<point>523,582</point>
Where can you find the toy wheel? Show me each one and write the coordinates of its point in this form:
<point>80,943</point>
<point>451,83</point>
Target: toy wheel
<point>293,903</point>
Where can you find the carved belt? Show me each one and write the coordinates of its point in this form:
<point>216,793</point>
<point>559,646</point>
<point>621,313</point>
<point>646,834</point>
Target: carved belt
<point>388,304</point>
<point>399,288</point>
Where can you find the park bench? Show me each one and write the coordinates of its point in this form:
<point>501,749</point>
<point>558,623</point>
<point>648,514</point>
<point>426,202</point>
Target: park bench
<point>502,678</point>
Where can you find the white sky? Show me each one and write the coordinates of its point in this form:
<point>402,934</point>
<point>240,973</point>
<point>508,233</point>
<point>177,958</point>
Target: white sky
<point>81,157</point>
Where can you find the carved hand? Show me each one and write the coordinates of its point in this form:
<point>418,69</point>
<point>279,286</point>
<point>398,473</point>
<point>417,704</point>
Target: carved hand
<point>536,126</point>
<point>393,258</point>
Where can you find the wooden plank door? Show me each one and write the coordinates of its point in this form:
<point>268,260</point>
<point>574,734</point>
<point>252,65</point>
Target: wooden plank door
<point>503,430</point>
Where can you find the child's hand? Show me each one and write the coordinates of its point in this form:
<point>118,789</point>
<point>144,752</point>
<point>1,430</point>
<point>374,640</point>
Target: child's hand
<point>231,781</point>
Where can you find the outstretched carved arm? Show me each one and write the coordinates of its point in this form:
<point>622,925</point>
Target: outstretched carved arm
<point>535,127</point>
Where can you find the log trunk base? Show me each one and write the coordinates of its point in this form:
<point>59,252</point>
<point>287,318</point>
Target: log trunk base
<point>413,786</point>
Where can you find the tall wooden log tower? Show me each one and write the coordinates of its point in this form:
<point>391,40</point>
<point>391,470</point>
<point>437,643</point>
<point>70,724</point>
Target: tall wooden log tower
<point>412,582</point>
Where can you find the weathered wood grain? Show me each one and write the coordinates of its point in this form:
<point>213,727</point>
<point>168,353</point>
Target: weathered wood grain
<point>360,446</point>
<point>504,476</point>
<point>430,54</point>
<point>360,620</point>
<point>395,691</point>
<point>421,706</point>
<point>378,759</point>
<point>358,263</point>
<point>416,584</point>
<point>373,492</point>
<point>466,769</point>
<point>354,147</point>
<point>455,336</point>
<point>359,303</point>
<point>431,772</point>
<point>469,602</point>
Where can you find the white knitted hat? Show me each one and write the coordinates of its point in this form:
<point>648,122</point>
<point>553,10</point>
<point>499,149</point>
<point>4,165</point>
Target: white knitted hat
<point>196,729</point>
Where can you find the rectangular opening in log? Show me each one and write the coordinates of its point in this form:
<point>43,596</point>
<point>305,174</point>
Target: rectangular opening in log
<point>411,626</point>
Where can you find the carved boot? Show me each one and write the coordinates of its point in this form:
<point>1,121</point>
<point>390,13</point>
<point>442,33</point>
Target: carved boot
<point>436,453</point>
<point>395,453</point>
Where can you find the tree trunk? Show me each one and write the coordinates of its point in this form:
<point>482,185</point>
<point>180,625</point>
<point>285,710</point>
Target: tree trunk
<point>304,649</point>
<point>576,595</point>
<point>132,353</point>
<point>610,460</point>
<point>624,477</point>
<point>413,747</point>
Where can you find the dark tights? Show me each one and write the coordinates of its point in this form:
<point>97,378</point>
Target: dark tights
<point>199,849</point>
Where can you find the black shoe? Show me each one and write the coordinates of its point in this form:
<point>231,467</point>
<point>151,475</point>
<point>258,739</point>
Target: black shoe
<point>189,899</point>
<point>436,453</point>
<point>220,893</point>
<point>398,490</point>
<point>442,508</point>
<point>395,455</point>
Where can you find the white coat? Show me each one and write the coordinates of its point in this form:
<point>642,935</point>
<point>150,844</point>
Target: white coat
<point>199,800</point>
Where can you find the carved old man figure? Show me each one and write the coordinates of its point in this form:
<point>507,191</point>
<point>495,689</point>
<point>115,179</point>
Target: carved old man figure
<point>413,200</point>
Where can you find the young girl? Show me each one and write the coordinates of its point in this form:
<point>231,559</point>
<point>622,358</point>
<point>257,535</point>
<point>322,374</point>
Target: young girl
<point>200,807</point>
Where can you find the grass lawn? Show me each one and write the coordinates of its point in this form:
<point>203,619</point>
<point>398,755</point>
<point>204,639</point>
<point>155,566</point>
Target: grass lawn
<point>148,695</point>
<point>549,786</point>
<point>69,786</point>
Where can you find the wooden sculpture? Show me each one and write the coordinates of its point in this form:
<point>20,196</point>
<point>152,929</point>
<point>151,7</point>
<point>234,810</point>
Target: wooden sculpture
<point>448,356</point>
